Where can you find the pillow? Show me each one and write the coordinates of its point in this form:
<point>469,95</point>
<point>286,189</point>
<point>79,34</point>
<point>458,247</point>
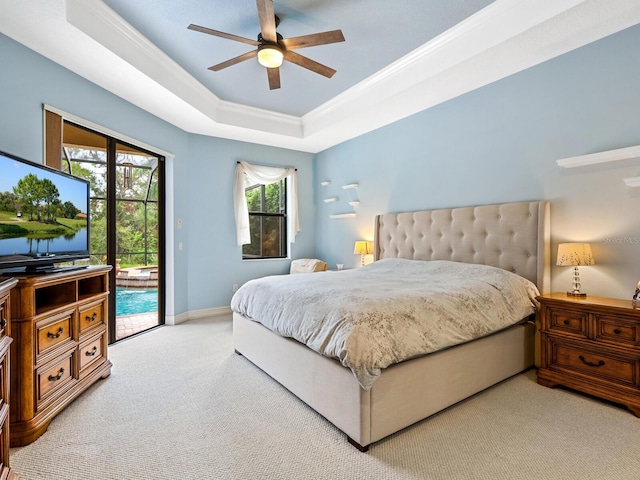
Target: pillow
<point>307,265</point>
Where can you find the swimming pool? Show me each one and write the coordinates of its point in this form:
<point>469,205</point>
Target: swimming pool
<point>130,301</point>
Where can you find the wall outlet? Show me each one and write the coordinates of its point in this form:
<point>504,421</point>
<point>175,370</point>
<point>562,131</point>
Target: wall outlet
<point>235,287</point>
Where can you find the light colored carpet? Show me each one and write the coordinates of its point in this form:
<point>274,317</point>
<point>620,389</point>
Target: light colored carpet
<point>180,404</point>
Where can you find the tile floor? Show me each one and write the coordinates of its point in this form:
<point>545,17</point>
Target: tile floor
<point>130,324</point>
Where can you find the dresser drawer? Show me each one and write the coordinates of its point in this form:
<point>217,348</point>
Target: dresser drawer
<point>91,316</point>
<point>597,363</point>
<point>53,377</point>
<point>568,321</point>
<point>53,332</point>
<point>618,330</point>
<point>92,351</point>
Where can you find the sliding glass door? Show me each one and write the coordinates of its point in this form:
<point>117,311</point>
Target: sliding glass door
<point>126,224</point>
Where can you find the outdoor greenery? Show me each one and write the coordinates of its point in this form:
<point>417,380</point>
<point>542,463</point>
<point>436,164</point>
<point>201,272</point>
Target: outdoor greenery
<point>267,231</point>
<point>137,221</point>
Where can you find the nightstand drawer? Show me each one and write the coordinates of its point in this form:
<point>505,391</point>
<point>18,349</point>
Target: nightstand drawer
<point>597,363</point>
<point>568,321</point>
<point>617,330</point>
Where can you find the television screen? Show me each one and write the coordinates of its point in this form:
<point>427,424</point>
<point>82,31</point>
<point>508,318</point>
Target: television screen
<point>44,215</point>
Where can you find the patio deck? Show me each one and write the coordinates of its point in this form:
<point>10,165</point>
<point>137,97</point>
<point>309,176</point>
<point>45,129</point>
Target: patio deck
<point>127,325</point>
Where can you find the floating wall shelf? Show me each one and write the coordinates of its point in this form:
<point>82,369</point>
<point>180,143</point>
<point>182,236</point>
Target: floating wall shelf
<point>600,157</point>
<point>350,185</point>
<point>343,215</point>
<point>325,183</point>
<point>604,157</point>
<point>354,203</point>
<point>329,200</point>
<point>632,182</point>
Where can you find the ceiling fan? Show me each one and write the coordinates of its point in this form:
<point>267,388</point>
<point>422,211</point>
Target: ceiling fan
<point>273,49</point>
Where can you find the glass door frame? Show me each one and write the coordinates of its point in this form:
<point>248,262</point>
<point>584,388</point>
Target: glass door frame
<point>112,226</point>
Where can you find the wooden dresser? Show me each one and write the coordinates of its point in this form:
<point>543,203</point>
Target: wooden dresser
<point>6,285</point>
<point>59,327</point>
<point>591,344</point>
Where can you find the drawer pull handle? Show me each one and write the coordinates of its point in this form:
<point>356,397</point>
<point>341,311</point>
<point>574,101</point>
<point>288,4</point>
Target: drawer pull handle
<point>53,378</point>
<point>91,318</point>
<point>3,323</point>
<point>57,334</point>
<point>591,364</point>
<point>566,322</point>
<point>617,331</point>
<point>92,352</point>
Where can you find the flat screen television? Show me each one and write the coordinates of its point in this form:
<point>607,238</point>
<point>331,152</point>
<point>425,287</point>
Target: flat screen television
<point>44,217</point>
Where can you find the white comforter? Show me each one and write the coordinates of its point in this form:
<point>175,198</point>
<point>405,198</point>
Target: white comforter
<point>389,311</point>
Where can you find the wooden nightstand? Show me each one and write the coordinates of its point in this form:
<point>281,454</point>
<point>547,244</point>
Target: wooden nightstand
<point>591,344</point>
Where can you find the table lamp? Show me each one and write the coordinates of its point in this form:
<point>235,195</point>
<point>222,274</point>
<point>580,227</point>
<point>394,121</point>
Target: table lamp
<point>574,255</point>
<point>362,248</point>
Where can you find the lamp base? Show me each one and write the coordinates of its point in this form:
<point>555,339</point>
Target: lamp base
<point>578,294</point>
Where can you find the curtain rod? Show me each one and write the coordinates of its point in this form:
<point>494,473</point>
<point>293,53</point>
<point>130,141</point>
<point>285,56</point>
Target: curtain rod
<point>273,167</point>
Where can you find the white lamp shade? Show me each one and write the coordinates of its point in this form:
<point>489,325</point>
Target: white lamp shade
<point>574,254</point>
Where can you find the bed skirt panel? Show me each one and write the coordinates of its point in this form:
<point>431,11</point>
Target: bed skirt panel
<point>322,383</point>
<point>413,390</point>
<point>404,393</point>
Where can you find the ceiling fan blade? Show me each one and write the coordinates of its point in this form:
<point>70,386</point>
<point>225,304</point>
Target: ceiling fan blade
<point>313,39</point>
<point>274,78</point>
<point>267,18</point>
<point>309,64</point>
<point>234,61</point>
<point>229,36</point>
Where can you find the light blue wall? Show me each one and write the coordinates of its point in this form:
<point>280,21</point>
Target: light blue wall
<point>214,258</point>
<point>500,144</point>
<point>496,144</point>
<point>202,172</point>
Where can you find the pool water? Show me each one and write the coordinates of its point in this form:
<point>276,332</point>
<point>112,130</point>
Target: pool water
<point>130,301</point>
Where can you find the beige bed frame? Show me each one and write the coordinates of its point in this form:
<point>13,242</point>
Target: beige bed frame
<point>512,236</point>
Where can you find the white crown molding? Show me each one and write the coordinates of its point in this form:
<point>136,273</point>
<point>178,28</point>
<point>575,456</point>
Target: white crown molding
<point>499,21</point>
<point>259,119</point>
<point>504,38</point>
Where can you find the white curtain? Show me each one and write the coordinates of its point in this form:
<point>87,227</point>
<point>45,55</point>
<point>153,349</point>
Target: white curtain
<point>258,174</point>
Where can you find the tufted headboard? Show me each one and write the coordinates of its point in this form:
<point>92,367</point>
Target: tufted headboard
<point>512,236</point>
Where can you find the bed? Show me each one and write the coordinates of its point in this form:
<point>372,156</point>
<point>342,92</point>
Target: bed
<point>513,237</point>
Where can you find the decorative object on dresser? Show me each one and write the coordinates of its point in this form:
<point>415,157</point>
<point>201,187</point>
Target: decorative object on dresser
<point>636,295</point>
<point>59,322</point>
<point>575,254</point>
<point>362,248</point>
<point>591,345</point>
<point>5,341</point>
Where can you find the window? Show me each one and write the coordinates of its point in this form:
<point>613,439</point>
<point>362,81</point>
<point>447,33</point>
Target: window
<point>267,205</point>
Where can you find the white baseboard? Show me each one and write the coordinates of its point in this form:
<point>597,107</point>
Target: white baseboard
<point>206,312</point>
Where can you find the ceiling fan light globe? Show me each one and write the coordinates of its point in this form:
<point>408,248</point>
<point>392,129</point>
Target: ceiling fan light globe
<point>270,56</point>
